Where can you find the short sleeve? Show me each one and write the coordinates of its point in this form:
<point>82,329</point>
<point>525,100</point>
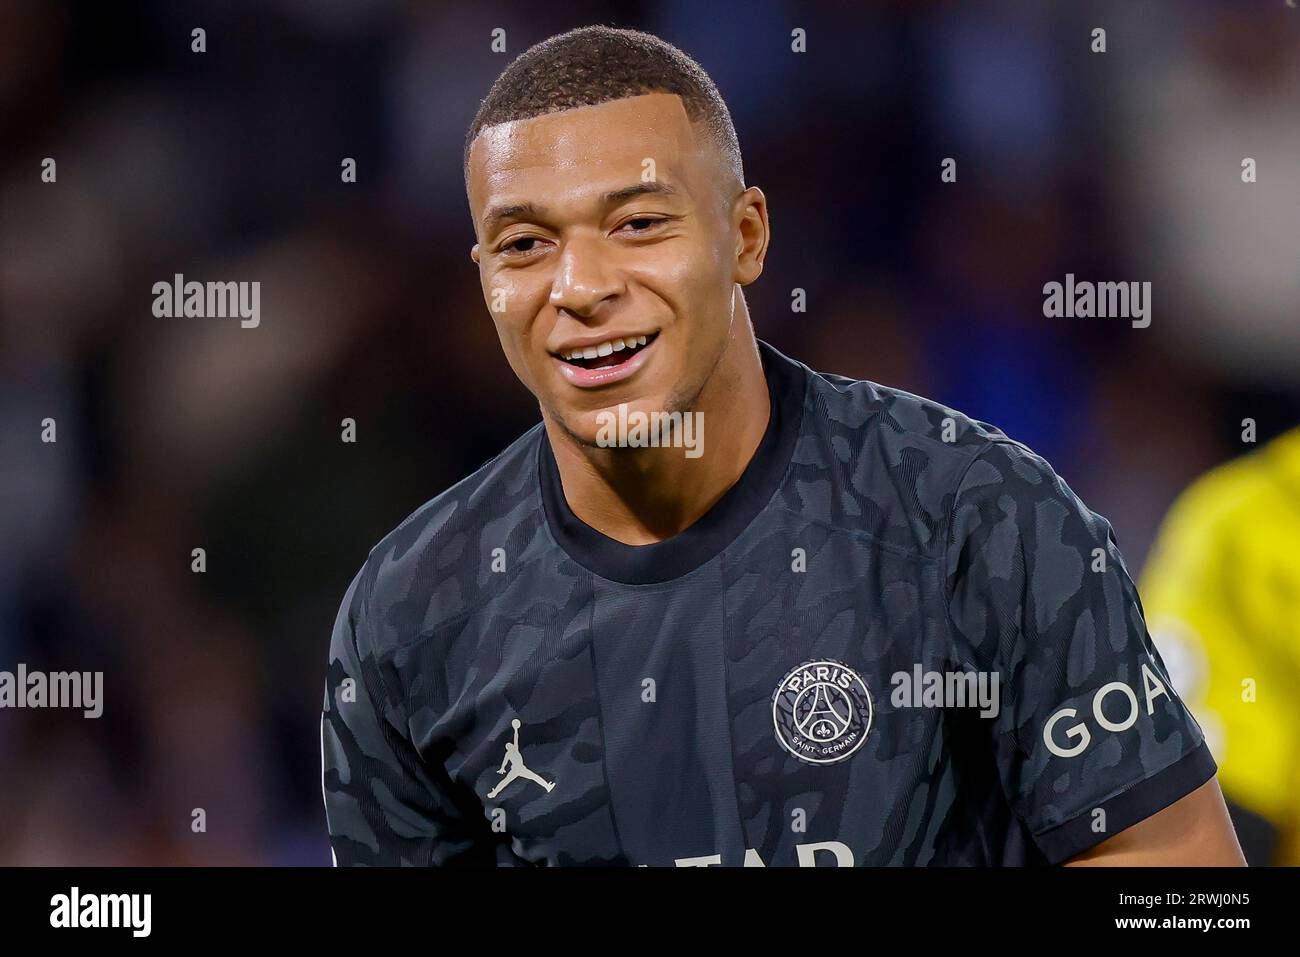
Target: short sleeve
<point>1090,736</point>
<point>384,805</point>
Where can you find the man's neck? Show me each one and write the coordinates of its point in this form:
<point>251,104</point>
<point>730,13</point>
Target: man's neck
<point>639,496</point>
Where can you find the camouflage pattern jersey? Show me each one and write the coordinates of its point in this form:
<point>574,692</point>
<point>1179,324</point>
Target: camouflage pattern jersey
<point>899,639</point>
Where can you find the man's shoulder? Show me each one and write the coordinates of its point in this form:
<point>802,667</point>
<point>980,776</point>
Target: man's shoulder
<point>898,457</point>
<point>430,569</point>
<point>899,419</point>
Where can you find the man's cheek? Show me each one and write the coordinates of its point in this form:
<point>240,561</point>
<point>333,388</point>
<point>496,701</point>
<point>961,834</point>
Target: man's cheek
<point>501,296</point>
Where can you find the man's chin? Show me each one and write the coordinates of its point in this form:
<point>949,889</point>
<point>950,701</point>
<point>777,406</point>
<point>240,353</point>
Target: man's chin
<point>602,427</point>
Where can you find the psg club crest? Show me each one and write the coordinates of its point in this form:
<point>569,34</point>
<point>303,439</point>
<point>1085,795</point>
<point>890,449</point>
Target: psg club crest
<point>822,712</point>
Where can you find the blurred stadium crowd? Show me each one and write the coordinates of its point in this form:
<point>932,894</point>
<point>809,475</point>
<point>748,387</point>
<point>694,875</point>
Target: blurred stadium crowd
<point>175,434</point>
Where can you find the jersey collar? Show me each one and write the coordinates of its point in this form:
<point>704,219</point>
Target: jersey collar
<point>713,531</point>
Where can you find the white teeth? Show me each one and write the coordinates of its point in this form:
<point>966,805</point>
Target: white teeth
<point>605,348</point>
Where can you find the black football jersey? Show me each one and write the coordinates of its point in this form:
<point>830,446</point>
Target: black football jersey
<point>898,639</point>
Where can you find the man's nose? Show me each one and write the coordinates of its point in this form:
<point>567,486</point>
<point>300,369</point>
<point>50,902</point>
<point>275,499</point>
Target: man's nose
<point>585,278</point>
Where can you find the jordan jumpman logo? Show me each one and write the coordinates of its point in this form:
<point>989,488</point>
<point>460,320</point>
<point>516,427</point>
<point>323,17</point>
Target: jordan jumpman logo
<point>517,767</point>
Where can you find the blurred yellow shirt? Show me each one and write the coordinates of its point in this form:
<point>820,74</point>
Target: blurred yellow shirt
<point>1222,598</point>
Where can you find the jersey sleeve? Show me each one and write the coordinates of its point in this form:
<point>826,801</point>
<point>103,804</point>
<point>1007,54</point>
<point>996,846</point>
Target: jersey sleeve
<point>384,805</point>
<point>1090,737</point>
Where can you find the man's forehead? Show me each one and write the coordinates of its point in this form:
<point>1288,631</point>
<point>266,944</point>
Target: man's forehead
<point>616,137</point>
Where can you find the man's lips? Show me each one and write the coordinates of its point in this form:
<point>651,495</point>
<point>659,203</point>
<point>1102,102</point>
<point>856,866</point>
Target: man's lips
<point>610,368</point>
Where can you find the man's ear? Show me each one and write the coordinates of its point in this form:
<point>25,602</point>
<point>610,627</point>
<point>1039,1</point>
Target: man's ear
<point>473,252</point>
<point>752,234</point>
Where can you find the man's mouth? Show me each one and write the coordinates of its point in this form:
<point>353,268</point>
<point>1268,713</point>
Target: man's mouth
<point>604,363</point>
<point>608,354</point>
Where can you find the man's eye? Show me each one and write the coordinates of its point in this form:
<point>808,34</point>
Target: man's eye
<point>642,223</point>
<point>524,244</point>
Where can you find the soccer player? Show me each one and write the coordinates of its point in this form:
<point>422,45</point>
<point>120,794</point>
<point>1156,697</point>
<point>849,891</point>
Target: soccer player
<point>697,597</point>
<point>1222,594</point>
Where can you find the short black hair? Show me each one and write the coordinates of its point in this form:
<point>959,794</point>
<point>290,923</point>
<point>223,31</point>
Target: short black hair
<point>593,65</point>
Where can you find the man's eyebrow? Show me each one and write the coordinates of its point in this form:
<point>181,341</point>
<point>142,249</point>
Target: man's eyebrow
<point>497,215</point>
<point>638,189</point>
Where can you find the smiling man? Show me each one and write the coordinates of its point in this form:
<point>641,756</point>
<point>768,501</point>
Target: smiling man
<point>612,652</point>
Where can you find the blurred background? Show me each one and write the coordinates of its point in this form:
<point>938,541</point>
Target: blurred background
<point>175,434</point>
